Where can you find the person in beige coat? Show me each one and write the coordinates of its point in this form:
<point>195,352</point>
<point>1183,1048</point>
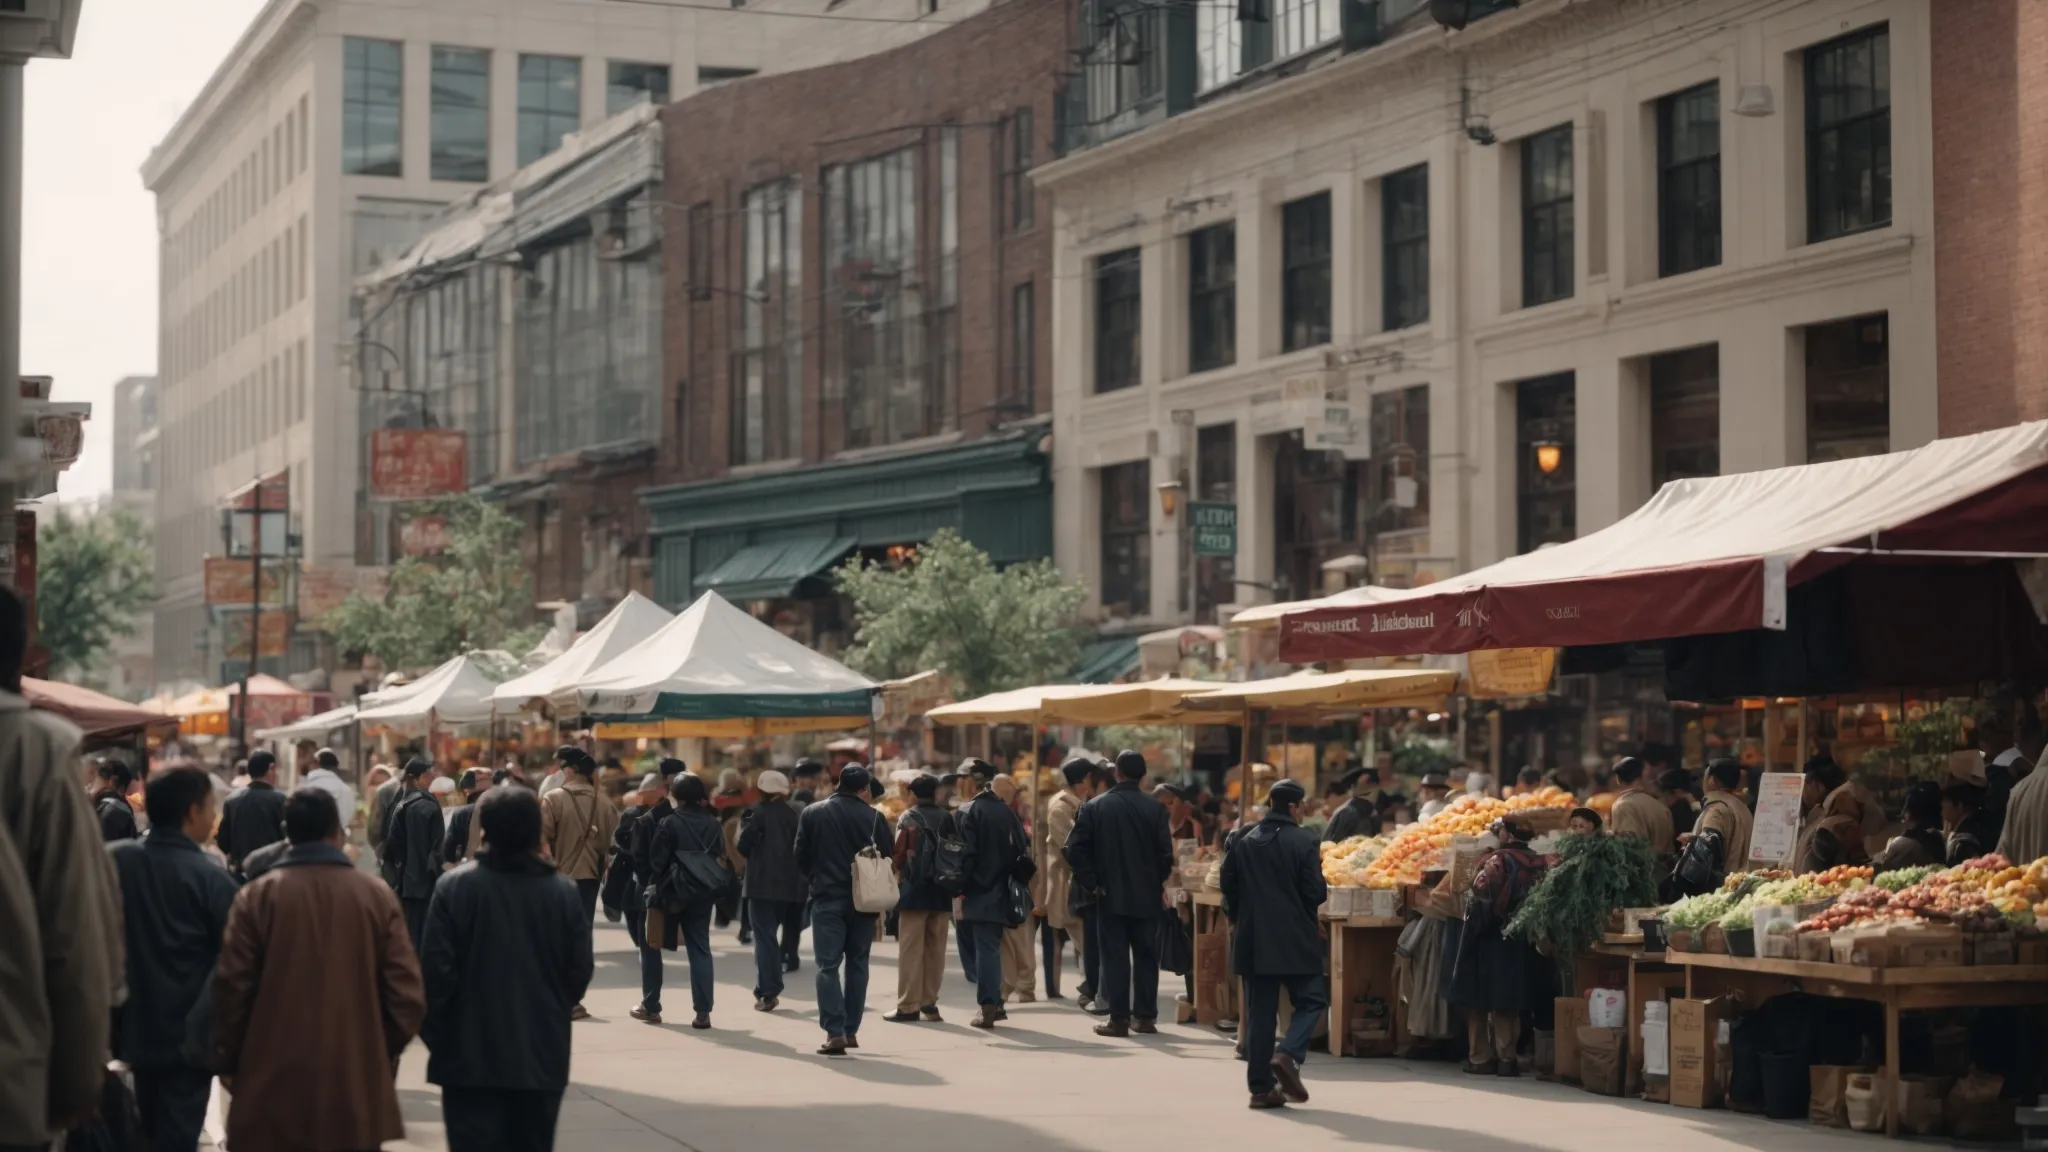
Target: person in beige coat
<point>1059,875</point>
<point>576,826</point>
<point>1724,810</point>
<point>1639,811</point>
<point>1020,967</point>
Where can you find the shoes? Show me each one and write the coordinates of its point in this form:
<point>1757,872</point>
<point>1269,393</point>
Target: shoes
<point>1288,1073</point>
<point>1096,1008</point>
<point>792,964</point>
<point>852,1042</point>
<point>1084,993</point>
<point>836,1046</point>
<point>579,1012</point>
<point>1025,997</point>
<point>931,1016</point>
<point>1508,1068</point>
<point>1145,1027</point>
<point>901,1018</point>
<point>1263,1100</point>
<point>1483,1068</point>
<point>1183,998</point>
<point>1054,994</point>
<point>1227,1027</point>
<point>985,1019</point>
<point>641,1014</point>
<point>1114,1029</point>
<point>1002,1013</point>
<point>766,1004</point>
<point>702,1021</point>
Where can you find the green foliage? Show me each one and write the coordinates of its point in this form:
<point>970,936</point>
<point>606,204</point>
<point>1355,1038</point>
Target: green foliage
<point>1593,876</point>
<point>477,594</point>
<point>1417,755</point>
<point>94,575</point>
<point>1925,736</point>
<point>951,610</point>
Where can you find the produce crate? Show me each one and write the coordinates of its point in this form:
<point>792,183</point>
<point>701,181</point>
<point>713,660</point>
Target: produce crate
<point>1383,902</point>
<point>1343,899</point>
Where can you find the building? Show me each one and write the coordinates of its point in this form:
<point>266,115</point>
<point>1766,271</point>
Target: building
<point>853,340</point>
<point>131,672</point>
<point>326,142</point>
<point>1409,299</point>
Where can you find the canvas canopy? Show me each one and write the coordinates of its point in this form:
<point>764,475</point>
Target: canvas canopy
<point>1360,688</point>
<point>1716,555</point>
<point>1267,616</point>
<point>313,727</point>
<point>634,619</point>
<point>95,713</point>
<point>716,662</point>
<point>458,692</point>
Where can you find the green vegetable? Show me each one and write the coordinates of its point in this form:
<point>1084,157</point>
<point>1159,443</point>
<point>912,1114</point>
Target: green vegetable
<point>1905,877</point>
<point>1593,876</point>
<point>1699,911</point>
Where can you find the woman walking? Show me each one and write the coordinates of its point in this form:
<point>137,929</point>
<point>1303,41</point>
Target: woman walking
<point>690,828</point>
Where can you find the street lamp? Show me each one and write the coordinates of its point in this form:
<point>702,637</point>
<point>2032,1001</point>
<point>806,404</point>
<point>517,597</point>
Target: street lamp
<point>1169,496</point>
<point>1549,456</point>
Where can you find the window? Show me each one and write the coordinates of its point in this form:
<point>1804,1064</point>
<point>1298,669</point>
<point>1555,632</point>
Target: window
<point>1546,491</point>
<point>1404,248</point>
<point>768,371</point>
<point>1849,135</point>
<point>1689,180</point>
<point>550,103</point>
<point>700,250</point>
<point>1685,415</point>
<point>1212,297</point>
<point>1848,389</point>
<point>709,75</point>
<point>1127,540</point>
<point>1023,342</point>
<point>461,130</point>
<point>1547,217</point>
<point>1117,320</point>
<point>371,82</point>
<point>1215,481</point>
<point>1398,492</point>
<point>1227,47</point>
<point>1318,506</point>
<point>1018,178</point>
<point>627,84</point>
<point>1305,272</point>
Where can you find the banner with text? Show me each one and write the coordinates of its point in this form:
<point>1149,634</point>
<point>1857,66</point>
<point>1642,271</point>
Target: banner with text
<point>418,463</point>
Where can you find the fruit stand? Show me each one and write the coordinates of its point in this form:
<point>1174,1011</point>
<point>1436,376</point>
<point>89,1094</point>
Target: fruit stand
<point>1366,1013</point>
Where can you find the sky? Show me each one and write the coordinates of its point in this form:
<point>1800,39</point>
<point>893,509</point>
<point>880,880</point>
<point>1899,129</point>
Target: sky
<point>89,227</point>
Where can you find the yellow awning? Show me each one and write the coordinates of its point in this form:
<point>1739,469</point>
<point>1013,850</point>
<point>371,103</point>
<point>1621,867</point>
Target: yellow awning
<point>1145,702</point>
<point>1361,688</point>
<point>1017,706</point>
<point>726,729</point>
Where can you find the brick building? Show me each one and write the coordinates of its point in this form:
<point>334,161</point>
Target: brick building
<point>856,314</point>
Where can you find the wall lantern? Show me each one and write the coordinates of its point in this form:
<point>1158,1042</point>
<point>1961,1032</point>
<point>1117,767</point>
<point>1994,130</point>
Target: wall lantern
<point>1169,497</point>
<point>1549,456</point>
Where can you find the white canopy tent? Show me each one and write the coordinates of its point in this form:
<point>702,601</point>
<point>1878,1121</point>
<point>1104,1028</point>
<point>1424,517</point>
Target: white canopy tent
<point>458,692</point>
<point>312,727</point>
<point>634,619</point>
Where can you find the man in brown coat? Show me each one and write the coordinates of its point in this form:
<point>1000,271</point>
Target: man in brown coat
<point>317,993</point>
<point>576,826</point>
<point>1639,811</point>
<point>1059,875</point>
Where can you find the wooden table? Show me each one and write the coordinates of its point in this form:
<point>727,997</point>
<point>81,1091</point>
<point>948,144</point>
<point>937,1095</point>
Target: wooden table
<point>1362,964</point>
<point>1618,960</point>
<point>1897,990</point>
<point>1215,990</point>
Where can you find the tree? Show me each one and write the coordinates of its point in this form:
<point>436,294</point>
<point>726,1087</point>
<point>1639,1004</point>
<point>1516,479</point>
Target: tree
<point>475,594</point>
<point>951,610</point>
<point>94,575</point>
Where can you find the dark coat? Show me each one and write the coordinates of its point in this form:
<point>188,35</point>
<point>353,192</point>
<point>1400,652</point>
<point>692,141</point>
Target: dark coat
<point>768,844</point>
<point>505,956</point>
<point>679,829</point>
<point>455,843</point>
<point>1358,816</point>
<point>829,834</point>
<point>1913,848</point>
<point>994,839</point>
<point>250,819</point>
<point>1492,972</point>
<point>412,845</point>
<point>624,890</point>
<point>175,903</point>
<point>1272,886</point>
<point>117,819</point>
<point>912,828</point>
<point>263,859</point>
<point>1121,848</point>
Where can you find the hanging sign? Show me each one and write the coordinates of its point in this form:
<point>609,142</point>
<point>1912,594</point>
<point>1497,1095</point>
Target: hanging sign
<point>1776,831</point>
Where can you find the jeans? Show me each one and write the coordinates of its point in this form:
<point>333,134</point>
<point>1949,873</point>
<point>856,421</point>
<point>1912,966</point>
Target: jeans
<point>694,928</point>
<point>769,918</point>
<point>963,934</point>
<point>500,1119</point>
<point>1049,944</point>
<point>1091,954</point>
<point>1130,964</point>
<point>172,1102</point>
<point>797,916</point>
<point>988,960</point>
<point>1261,1016</point>
<point>650,960</point>
<point>840,935</point>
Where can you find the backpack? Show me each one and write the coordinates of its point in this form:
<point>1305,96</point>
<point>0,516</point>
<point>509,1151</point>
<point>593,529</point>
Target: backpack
<point>691,877</point>
<point>940,858</point>
<point>1700,865</point>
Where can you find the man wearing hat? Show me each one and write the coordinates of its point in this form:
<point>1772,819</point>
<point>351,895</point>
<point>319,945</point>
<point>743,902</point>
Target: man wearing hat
<point>994,842</point>
<point>773,887</point>
<point>253,817</point>
<point>411,853</point>
<point>625,883</point>
<point>1435,791</point>
<point>464,833</point>
<point>1122,850</point>
<point>925,908</point>
<point>576,827</point>
<point>1360,815</point>
<point>1272,885</point>
<point>829,834</point>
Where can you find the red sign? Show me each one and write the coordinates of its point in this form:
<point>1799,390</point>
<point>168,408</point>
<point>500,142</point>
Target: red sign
<point>322,590</point>
<point>418,463</point>
<point>277,634</point>
<point>231,582</point>
<point>425,536</point>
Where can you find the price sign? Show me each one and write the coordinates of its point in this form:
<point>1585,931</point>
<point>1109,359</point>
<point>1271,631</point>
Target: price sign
<point>1776,830</point>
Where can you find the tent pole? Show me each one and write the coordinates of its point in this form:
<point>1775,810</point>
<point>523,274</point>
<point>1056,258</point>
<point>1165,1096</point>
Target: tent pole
<point>1037,808</point>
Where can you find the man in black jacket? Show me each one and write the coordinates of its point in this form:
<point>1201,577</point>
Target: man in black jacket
<point>632,870</point>
<point>455,845</point>
<point>1122,850</point>
<point>174,904</point>
<point>924,909</point>
<point>829,834</point>
<point>1360,815</point>
<point>505,957</point>
<point>110,802</point>
<point>253,816</point>
<point>411,854</point>
<point>773,887</point>
<point>994,841</point>
<point>1272,886</point>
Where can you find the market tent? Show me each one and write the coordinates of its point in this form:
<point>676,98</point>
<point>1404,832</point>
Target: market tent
<point>1144,702</point>
<point>458,692</point>
<point>1266,616</point>
<point>715,662</point>
<point>1016,706</point>
<point>1718,555</point>
<point>1327,691</point>
<point>314,727</point>
<point>633,619</point>
<point>95,713</point>
<point>271,702</point>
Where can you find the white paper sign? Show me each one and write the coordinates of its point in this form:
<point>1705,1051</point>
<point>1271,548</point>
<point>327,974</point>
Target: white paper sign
<point>1776,830</point>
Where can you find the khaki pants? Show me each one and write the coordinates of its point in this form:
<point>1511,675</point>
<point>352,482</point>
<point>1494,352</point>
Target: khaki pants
<point>1491,1035</point>
<point>1020,967</point>
<point>920,958</point>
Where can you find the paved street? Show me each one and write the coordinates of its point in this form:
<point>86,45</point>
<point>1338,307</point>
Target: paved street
<point>1042,1083</point>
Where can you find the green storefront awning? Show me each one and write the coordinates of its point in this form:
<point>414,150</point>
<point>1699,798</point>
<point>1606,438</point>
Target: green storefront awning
<point>771,571</point>
<point>1106,659</point>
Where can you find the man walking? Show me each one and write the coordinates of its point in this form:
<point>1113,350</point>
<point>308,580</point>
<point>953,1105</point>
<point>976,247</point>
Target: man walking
<point>1059,876</point>
<point>1360,815</point>
<point>1122,850</point>
<point>993,840</point>
<point>377,824</point>
<point>1272,886</point>
<point>253,816</point>
<point>632,870</point>
<point>924,909</point>
<point>576,826</point>
<point>773,887</point>
<point>110,802</point>
<point>411,854</point>
<point>506,956</point>
<point>317,993</point>
<point>460,842</point>
<point>326,776</point>
<point>829,834</point>
<point>175,902</point>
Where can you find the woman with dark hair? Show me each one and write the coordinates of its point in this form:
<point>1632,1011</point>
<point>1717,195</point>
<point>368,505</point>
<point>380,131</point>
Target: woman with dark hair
<point>110,800</point>
<point>1583,822</point>
<point>692,827</point>
<point>1922,842</point>
<point>1970,831</point>
<point>1494,978</point>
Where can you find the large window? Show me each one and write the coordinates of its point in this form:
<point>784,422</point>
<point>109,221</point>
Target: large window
<point>1212,297</point>
<point>768,373</point>
<point>1547,268</point>
<point>1127,540</point>
<point>880,366</point>
<point>1404,248</point>
<point>1685,415</point>
<point>1227,46</point>
<point>1689,180</point>
<point>1023,342</point>
<point>372,84</point>
<point>1848,389</point>
<point>1849,134</point>
<point>1399,489</point>
<point>1305,272</point>
<point>627,84</point>
<point>1215,480</point>
<point>1017,181</point>
<point>1117,317</point>
<point>550,103</point>
<point>1317,516</point>
<point>461,131</point>
<point>1546,443</point>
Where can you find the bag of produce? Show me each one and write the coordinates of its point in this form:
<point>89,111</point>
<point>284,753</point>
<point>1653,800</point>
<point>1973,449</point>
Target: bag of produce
<point>1921,1099</point>
<point>1601,1059</point>
<point>1607,1008</point>
<point>1863,1101</point>
<point>1827,1101</point>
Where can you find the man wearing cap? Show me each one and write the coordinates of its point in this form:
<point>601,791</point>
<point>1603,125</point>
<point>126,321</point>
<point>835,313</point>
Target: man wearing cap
<point>829,834</point>
<point>576,827</point>
<point>411,852</point>
<point>1272,885</point>
<point>773,888</point>
<point>924,909</point>
<point>994,841</point>
<point>1360,815</point>
<point>1435,791</point>
<point>1122,850</point>
<point>253,817</point>
<point>457,846</point>
<point>807,781</point>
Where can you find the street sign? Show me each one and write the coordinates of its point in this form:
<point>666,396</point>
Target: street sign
<point>1215,527</point>
<point>417,463</point>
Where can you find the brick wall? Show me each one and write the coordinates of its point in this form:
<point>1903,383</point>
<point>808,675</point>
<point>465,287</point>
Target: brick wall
<point>725,141</point>
<point>1990,90</point>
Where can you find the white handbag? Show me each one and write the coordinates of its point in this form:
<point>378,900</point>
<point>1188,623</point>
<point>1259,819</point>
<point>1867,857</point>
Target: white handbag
<point>874,881</point>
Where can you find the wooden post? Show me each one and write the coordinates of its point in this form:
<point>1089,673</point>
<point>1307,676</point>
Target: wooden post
<point>1770,736</point>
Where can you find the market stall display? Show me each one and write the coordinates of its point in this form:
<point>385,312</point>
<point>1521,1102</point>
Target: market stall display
<point>1594,876</point>
<point>1415,847</point>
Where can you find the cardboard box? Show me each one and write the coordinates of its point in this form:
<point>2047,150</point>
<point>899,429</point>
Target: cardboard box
<point>1920,1103</point>
<point>1897,946</point>
<point>1602,1052</point>
<point>2031,952</point>
<point>1990,948</point>
<point>1816,947</point>
<point>1570,1016</point>
<point>1696,1080</point>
